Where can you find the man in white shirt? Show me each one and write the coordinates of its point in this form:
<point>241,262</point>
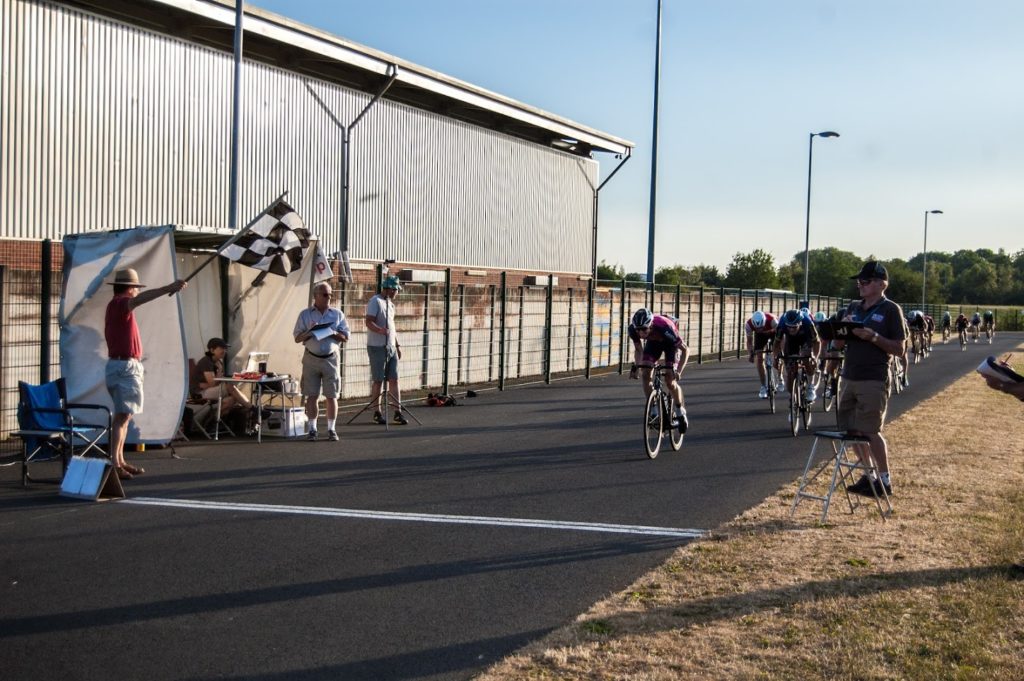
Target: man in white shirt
<point>321,329</point>
<point>383,348</point>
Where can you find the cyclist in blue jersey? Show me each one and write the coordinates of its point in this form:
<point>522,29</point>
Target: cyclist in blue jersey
<point>653,336</point>
<point>797,335</point>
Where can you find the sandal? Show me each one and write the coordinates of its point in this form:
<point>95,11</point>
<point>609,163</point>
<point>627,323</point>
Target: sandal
<point>124,474</point>
<point>134,470</point>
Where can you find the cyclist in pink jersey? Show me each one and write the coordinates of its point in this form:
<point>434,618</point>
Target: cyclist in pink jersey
<point>653,336</point>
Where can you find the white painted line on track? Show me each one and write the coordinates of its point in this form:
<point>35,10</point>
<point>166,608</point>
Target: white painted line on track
<point>421,517</point>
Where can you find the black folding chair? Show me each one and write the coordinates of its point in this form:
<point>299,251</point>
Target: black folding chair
<point>50,430</point>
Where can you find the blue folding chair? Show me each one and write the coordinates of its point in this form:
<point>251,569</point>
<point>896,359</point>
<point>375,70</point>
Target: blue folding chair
<point>49,429</point>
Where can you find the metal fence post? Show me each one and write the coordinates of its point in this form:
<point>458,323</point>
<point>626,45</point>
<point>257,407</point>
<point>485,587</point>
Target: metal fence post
<point>622,323</point>
<point>447,328</point>
<point>700,327</point>
<point>721,322</point>
<point>501,334</point>
<point>591,292</point>
<point>44,313</point>
<point>679,289</point>
<point>490,340</point>
<point>739,322</point>
<point>569,351</point>
<point>462,339</point>
<point>547,330</point>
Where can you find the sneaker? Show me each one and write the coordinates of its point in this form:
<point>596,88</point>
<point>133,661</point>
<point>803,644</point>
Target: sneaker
<point>332,436</point>
<point>862,486</point>
<point>906,382</point>
<point>311,436</point>
<point>810,395</point>
<point>684,423</point>
<point>400,418</point>
<point>828,391</point>
<point>764,393</point>
<point>781,387</point>
<point>377,418</point>
<point>879,486</point>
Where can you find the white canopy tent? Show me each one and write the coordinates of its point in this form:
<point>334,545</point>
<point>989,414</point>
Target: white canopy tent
<point>175,328</point>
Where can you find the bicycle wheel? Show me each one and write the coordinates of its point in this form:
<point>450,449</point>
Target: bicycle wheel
<point>806,416</point>
<point>652,424</point>
<point>963,342</point>
<point>832,390</point>
<point>675,438</point>
<point>772,381</point>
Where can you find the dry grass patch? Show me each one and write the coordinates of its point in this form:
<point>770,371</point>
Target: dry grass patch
<point>934,593</point>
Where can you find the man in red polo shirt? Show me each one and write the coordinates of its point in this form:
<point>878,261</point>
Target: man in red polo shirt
<point>124,373</point>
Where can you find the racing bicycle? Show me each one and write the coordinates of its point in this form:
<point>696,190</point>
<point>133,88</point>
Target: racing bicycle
<point>799,409</point>
<point>963,340</point>
<point>896,374</point>
<point>658,416</point>
<point>771,373</point>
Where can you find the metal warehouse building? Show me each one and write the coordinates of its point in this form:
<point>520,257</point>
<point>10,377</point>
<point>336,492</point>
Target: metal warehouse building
<point>117,113</point>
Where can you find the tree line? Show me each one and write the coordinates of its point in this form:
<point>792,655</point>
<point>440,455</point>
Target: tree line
<point>979,277</point>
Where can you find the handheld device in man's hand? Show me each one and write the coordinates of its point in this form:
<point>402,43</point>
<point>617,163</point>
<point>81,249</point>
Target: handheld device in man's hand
<point>1000,370</point>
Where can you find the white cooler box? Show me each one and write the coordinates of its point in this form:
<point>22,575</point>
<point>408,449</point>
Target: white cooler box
<point>287,422</point>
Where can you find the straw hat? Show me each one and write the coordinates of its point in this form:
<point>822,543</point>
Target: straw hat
<point>126,277</point>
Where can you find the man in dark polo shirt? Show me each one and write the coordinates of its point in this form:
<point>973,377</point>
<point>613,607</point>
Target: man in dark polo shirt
<point>124,374</point>
<point>864,394</point>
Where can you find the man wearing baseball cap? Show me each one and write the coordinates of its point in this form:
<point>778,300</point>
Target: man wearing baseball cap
<point>383,348</point>
<point>864,393</point>
<point>124,373</point>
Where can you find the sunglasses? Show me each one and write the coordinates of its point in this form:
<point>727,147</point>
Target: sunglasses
<point>865,282</point>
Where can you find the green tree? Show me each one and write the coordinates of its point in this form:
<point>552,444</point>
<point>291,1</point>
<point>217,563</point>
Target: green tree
<point>904,284</point>
<point>752,270</point>
<point>610,272</point>
<point>831,270</point>
<point>978,284</point>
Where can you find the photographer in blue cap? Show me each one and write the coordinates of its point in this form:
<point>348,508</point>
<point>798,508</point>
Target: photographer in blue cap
<point>383,348</point>
<point>864,392</point>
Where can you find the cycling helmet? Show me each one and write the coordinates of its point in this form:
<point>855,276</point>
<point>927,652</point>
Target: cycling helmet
<point>792,317</point>
<point>806,311</point>
<point>642,318</point>
<point>757,320</point>
<point>819,316</point>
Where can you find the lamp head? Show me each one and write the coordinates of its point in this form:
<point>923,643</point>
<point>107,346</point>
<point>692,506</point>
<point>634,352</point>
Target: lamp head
<point>935,212</point>
<point>827,133</point>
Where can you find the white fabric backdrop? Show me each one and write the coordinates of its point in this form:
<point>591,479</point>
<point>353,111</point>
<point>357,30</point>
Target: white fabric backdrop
<point>90,261</point>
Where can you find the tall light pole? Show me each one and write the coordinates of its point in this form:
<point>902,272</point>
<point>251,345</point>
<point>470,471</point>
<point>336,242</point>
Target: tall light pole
<point>924,262</point>
<point>807,238</point>
<point>654,156</point>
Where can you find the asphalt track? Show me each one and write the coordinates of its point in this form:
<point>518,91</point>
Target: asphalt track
<point>398,555</point>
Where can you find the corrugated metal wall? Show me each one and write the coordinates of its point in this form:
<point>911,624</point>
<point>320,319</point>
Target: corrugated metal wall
<point>106,126</point>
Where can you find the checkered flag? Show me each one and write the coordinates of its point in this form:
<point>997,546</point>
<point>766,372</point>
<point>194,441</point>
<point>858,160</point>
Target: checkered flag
<point>274,243</point>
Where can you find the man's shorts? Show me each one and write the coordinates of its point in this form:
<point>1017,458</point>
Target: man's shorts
<point>761,340</point>
<point>383,362</point>
<point>321,371</point>
<point>862,405</point>
<point>124,378</point>
<point>653,350</point>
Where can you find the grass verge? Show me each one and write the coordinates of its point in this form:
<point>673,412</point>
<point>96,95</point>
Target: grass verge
<point>937,592</point>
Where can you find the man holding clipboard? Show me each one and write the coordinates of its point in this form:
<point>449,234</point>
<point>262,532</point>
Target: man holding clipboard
<point>875,331</point>
<point>321,329</point>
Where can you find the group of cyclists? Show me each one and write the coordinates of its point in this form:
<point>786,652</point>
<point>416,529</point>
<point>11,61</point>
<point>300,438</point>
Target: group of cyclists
<point>793,340</point>
<point>978,322</point>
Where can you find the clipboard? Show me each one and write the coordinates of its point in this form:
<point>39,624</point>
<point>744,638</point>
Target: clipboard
<point>835,330</point>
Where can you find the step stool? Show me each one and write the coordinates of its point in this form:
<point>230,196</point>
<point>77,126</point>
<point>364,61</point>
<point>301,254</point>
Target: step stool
<point>844,465</point>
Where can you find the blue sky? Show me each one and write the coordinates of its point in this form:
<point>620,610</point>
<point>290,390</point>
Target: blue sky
<point>927,96</point>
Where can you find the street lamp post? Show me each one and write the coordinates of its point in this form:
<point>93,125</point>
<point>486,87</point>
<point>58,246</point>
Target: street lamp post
<point>807,238</point>
<point>924,261</point>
